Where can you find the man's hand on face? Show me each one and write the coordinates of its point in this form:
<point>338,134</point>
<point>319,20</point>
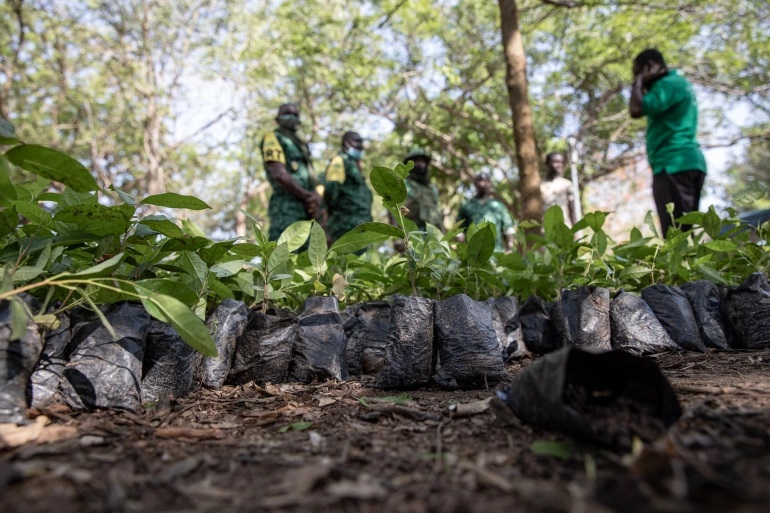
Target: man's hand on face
<point>651,71</point>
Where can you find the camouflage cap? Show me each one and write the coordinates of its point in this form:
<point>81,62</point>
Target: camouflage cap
<point>417,152</point>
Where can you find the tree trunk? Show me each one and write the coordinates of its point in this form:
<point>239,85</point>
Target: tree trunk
<point>527,159</point>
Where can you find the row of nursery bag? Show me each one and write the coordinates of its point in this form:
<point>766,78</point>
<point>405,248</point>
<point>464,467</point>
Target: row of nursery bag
<point>693,317</point>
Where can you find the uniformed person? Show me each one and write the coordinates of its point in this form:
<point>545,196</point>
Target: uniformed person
<point>483,207</point>
<point>347,197</point>
<point>289,171</point>
<point>422,196</point>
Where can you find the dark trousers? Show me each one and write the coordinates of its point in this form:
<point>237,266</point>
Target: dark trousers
<point>682,189</point>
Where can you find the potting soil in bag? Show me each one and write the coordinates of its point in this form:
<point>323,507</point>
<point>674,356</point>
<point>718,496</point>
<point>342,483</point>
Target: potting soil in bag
<point>594,327</point>
<point>375,317</point>
<point>504,309</point>
<point>635,328</point>
<point>467,345</point>
<point>565,316</point>
<point>672,308</point>
<point>607,397</point>
<point>706,301</point>
<point>534,317</point>
<point>748,310</point>
<point>318,352</point>
<point>43,389</point>
<point>355,333</point>
<point>410,355</point>
<point>17,360</point>
<point>225,324</point>
<point>102,372</point>
<point>263,352</point>
<point>169,363</point>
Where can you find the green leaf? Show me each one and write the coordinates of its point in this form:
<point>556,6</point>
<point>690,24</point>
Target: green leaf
<point>295,235</point>
<point>246,249</point>
<point>169,287</point>
<point>635,272</point>
<point>53,165</point>
<point>192,229</point>
<point>32,212</point>
<point>189,326</point>
<point>317,248</point>
<point>185,244</point>
<point>712,224</point>
<point>9,220</point>
<point>220,289</point>
<point>225,269</point>
<point>481,246</point>
<point>561,450</point>
<point>388,185</point>
<point>712,274</point>
<point>45,255</point>
<point>194,266</point>
<point>216,251</point>
<point>296,426</point>
<point>102,269</point>
<point>18,319</point>
<point>97,219</point>
<point>71,197</point>
<point>552,218</point>
<point>595,220</point>
<point>720,245</point>
<point>127,198</point>
<point>163,226</point>
<point>382,228</point>
<point>174,200</point>
<point>6,187</point>
<point>279,255</point>
<point>26,273</point>
<point>673,242</point>
<point>356,240</point>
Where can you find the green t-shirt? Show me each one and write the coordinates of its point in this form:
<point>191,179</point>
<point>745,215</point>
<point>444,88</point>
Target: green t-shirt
<point>476,211</point>
<point>672,123</point>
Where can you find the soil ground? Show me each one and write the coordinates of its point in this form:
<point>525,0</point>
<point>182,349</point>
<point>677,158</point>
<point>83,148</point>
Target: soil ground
<point>349,447</point>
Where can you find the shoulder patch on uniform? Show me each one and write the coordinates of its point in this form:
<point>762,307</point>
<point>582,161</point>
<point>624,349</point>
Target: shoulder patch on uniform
<point>272,149</point>
<point>336,170</point>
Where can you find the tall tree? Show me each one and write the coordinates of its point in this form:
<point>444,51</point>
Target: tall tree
<point>527,159</point>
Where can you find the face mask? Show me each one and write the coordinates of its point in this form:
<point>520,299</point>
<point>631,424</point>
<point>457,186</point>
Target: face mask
<point>288,121</point>
<point>355,154</point>
<point>420,169</point>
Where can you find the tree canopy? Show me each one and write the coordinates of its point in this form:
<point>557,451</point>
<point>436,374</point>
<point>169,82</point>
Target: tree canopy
<point>156,96</point>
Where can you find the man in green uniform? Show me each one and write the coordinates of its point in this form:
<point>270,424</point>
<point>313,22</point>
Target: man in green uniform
<point>483,207</point>
<point>348,198</point>
<point>678,166</point>
<point>289,171</point>
<point>422,196</point>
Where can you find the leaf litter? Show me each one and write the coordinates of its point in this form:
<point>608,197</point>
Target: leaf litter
<point>347,446</point>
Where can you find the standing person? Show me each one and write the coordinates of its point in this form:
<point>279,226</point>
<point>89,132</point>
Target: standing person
<point>557,190</point>
<point>678,166</point>
<point>348,198</point>
<point>422,195</point>
<point>289,171</point>
<point>483,207</point>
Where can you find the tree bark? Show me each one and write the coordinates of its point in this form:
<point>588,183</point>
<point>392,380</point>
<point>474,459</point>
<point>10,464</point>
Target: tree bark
<point>527,159</point>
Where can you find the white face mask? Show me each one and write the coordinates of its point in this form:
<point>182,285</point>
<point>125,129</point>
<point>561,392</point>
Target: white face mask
<point>355,153</point>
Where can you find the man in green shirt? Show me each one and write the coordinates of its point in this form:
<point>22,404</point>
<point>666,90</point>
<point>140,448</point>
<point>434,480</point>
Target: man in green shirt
<point>678,166</point>
<point>289,171</point>
<point>422,195</point>
<point>483,207</point>
<point>348,198</point>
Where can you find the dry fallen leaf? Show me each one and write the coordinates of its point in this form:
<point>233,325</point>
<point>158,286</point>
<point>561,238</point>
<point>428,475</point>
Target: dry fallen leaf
<point>39,431</point>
